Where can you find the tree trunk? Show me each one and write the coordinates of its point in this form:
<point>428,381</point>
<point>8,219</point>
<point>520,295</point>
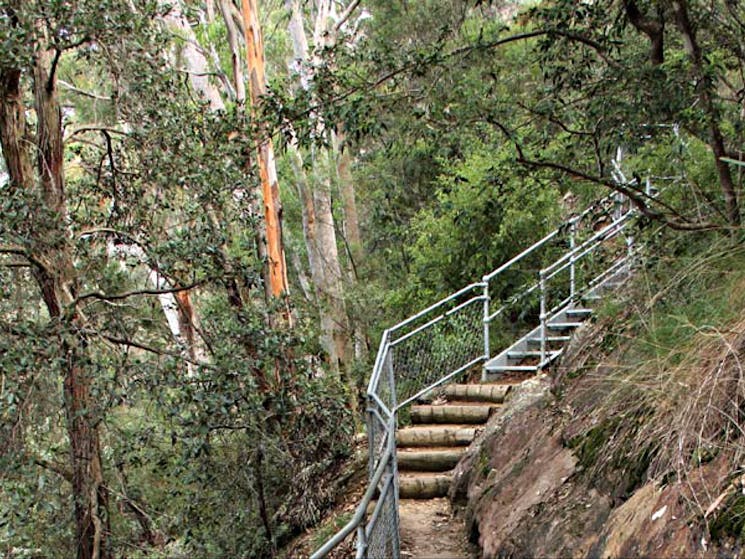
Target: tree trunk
<point>706,92</point>
<point>352,236</point>
<point>327,272</point>
<point>50,254</point>
<point>277,268</point>
<point>319,228</point>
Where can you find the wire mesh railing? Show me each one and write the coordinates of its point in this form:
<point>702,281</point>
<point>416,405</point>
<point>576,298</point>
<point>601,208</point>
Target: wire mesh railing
<point>450,337</point>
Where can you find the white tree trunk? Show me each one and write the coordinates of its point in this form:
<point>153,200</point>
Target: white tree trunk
<point>194,59</point>
<point>316,196</point>
<point>181,320</point>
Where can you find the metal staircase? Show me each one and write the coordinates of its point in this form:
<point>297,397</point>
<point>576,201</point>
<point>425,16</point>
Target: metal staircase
<point>515,321</point>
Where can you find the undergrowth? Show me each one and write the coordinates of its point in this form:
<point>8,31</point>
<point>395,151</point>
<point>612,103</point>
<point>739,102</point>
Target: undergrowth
<point>669,392</point>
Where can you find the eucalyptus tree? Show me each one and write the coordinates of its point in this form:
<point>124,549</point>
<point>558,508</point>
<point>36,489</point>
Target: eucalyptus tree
<point>125,189</point>
<point>36,226</point>
<point>331,27</point>
<point>627,74</point>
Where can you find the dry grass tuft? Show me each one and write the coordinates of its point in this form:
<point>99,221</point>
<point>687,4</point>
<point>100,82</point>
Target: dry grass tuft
<point>671,396</point>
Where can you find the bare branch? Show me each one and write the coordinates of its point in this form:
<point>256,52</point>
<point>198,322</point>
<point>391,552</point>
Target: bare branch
<point>639,198</point>
<point>56,468</point>
<point>119,296</point>
<point>145,347</point>
<point>346,14</point>
<point>95,128</point>
<point>71,87</point>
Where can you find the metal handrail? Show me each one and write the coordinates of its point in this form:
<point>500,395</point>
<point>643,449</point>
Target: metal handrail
<point>435,320</point>
<point>382,416</point>
<point>512,261</point>
<point>359,514</point>
<point>434,306</point>
<point>596,239</point>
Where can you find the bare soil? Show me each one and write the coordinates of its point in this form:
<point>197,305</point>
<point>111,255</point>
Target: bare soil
<point>430,530</point>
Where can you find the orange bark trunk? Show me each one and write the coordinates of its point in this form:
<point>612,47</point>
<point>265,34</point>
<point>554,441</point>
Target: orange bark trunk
<point>277,268</point>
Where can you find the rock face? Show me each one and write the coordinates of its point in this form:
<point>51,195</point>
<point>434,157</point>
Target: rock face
<point>527,492</point>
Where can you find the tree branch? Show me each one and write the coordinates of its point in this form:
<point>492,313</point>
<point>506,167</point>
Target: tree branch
<point>56,468</point>
<point>53,70</point>
<point>144,347</point>
<point>638,198</point>
<point>119,296</point>
<point>74,89</point>
<point>346,14</point>
<point>655,30</point>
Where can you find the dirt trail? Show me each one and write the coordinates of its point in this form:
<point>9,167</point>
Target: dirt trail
<point>430,531</point>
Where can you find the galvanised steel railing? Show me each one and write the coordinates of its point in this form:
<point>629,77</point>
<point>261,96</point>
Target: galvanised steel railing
<point>457,333</point>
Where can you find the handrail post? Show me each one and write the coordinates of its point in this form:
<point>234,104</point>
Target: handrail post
<point>542,283</point>
<point>391,377</point>
<point>486,326</point>
<point>392,424</point>
<point>370,438</point>
<point>393,468</point>
<point>361,542</point>
<point>572,271</point>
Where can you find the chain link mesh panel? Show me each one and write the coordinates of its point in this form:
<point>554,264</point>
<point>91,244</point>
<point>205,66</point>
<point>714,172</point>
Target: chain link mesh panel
<point>377,437</point>
<point>445,346</point>
<point>447,337</point>
<point>382,540</point>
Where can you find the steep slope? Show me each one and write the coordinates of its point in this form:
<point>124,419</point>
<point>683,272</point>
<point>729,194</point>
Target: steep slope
<point>632,445</point>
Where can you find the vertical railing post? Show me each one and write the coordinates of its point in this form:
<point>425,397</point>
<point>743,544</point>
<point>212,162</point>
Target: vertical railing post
<point>361,541</point>
<point>542,287</point>
<point>487,349</point>
<point>391,377</point>
<point>370,437</point>
<point>572,270</point>
<point>396,535</point>
<point>392,424</point>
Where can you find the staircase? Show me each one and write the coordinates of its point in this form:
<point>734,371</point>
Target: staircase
<point>440,432</point>
<point>422,362</point>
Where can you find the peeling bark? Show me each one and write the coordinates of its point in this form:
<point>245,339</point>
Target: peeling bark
<point>319,228</point>
<point>55,275</point>
<point>277,267</point>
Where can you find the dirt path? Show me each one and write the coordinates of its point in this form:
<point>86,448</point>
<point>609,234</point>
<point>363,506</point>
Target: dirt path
<point>429,531</point>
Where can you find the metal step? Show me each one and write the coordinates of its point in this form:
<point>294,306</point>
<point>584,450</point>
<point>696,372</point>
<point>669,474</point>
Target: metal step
<point>578,312</point>
<point>530,353</point>
<point>514,369</point>
<point>562,325</point>
<point>549,339</point>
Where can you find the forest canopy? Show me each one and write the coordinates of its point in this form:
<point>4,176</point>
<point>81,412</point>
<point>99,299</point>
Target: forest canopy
<point>209,210</point>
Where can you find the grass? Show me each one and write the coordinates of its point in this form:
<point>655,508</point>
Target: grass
<point>669,393</point>
<point>330,527</point>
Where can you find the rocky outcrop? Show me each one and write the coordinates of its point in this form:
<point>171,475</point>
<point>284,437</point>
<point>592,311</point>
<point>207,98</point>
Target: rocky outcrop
<point>528,489</point>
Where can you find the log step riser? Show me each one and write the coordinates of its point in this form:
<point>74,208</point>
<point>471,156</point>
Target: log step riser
<point>434,437</point>
<point>450,414</point>
<point>477,392</point>
<point>429,487</point>
<point>428,461</point>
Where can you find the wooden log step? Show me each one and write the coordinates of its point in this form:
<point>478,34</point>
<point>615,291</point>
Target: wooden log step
<point>440,460</point>
<point>423,486</point>
<point>450,414</point>
<point>435,436</point>
<point>477,392</point>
